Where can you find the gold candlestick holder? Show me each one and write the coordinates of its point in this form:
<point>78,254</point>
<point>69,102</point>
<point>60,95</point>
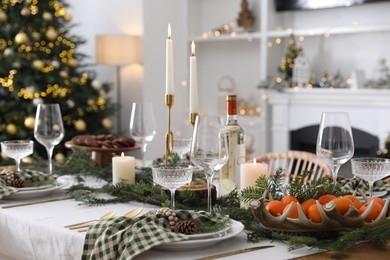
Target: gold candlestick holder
<point>192,117</point>
<point>169,99</point>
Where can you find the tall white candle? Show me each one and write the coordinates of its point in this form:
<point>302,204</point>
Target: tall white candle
<point>250,172</point>
<point>193,81</point>
<point>123,169</point>
<point>169,86</point>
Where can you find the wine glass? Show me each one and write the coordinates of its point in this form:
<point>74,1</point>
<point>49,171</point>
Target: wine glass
<point>209,148</point>
<point>142,125</point>
<point>172,177</point>
<point>335,142</point>
<point>17,150</point>
<point>370,169</point>
<point>48,129</point>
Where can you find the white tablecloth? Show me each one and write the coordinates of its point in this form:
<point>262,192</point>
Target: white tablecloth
<point>37,232</point>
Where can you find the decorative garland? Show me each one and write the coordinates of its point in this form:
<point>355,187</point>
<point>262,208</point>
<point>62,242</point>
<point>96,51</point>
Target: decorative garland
<point>144,191</point>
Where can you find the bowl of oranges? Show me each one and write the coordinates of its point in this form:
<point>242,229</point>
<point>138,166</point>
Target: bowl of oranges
<point>325,213</point>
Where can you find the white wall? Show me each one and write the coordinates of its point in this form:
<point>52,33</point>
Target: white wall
<point>95,17</point>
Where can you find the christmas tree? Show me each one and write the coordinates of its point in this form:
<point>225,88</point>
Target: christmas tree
<point>39,63</point>
<point>385,152</point>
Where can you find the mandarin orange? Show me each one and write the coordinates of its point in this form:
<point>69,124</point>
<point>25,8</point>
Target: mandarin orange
<point>377,200</point>
<point>355,200</point>
<point>326,198</point>
<point>275,207</point>
<point>286,200</point>
<point>294,210</point>
<point>313,213</point>
<point>307,203</point>
<point>374,213</point>
<point>342,204</point>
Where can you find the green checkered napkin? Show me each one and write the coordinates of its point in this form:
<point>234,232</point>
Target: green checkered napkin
<point>30,176</point>
<point>124,238</point>
<point>355,183</point>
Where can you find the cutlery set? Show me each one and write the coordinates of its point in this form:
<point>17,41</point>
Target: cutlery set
<point>83,226</point>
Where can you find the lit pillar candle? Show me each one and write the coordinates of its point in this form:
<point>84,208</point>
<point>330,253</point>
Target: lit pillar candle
<point>169,86</point>
<point>123,168</point>
<point>250,172</point>
<point>193,81</point>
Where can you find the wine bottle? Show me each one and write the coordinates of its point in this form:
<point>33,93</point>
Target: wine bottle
<point>229,176</point>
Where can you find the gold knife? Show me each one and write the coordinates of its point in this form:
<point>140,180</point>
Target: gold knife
<point>34,202</point>
<point>236,252</point>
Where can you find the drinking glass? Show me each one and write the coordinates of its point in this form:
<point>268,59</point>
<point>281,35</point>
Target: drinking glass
<point>182,146</point>
<point>172,177</point>
<point>209,149</point>
<point>48,129</point>
<point>142,125</point>
<point>370,169</point>
<point>335,142</point>
<point>17,150</point>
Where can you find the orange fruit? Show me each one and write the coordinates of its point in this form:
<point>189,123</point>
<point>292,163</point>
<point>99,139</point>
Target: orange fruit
<point>355,200</point>
<point>342,204</point>
<point>294,210</point>
<point>286,200</point>
<point>377,200</point>
<point>313,213</point>
<point>275,207</point>
<point>325,198</point>
<point>374,213</point>
<point>306,204</point>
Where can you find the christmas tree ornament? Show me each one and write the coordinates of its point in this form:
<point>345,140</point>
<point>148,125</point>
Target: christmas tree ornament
<point>29,122</point>
<point>51,34</point>
<point>72,63</point>
<point>80,125</point>
<point>36,35</point>
<point>56,64</point>
<point>47,16</point>
<point>70,103</point>
<point>8,52</point>
<point>11,129</point>
<point>67,16</point>
<point>25,11</point>
<point>3,16</point>
<point>107,123</point>
<point>38,64</point>
<point>64,74</point>
<point>21,38</point>
<point>96,84</point>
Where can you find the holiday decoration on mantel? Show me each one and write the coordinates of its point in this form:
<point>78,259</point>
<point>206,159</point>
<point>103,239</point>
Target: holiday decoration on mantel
<point>40,64</point>
<point>287,64</point>
<point>245,18</point>
<point>381,79</point>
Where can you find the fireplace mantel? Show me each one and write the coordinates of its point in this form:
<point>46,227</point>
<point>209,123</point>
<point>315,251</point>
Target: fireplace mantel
<point>369,111</point>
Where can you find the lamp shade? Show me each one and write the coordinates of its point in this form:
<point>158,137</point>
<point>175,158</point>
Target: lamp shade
<point>118,49</point>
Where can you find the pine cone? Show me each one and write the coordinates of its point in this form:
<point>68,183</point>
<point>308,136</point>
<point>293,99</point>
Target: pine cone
<point>171,215</point>
<point>185,227</point>
<point>13,181</point>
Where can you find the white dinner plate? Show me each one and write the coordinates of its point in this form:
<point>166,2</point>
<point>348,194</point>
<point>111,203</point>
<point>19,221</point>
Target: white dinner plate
<point>185,245</point>
<point>222,232</point>
<point>37,187</point>
<point>35,193</point>
<point>375,194</point>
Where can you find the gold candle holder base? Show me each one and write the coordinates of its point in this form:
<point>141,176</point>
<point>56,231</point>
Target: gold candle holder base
<point>169,99</point>
<point>192,117</point>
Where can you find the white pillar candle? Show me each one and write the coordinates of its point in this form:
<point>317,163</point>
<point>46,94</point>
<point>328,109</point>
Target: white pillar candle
<point>250,172</point>
<point>169,86</point>
<point>193,81</point>
<point>123,169</point>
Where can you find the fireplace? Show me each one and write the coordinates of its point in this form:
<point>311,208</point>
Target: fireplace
<point>293,113</point>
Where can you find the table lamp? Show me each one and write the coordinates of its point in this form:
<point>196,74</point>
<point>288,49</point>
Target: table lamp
<point>118,50</point>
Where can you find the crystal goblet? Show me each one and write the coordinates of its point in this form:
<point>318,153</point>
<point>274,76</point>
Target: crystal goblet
<point>370,169</point>
<point>17,150</point>
<point>172,177</point>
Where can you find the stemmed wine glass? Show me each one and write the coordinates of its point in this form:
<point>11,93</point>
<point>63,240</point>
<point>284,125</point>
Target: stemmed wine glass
<point>335,142</point>
<point>142,125</point>
<point>172,177</point>
<point>371,170</point>
<point>49,129</point>
<point>17,150</point>
<point>209,148</point>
